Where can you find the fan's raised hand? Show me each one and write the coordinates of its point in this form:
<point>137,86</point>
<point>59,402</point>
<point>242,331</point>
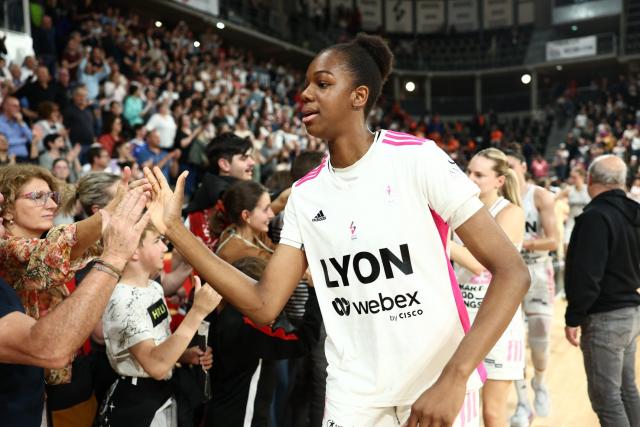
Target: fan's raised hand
<point>166,205</point>
<point>126,185</point>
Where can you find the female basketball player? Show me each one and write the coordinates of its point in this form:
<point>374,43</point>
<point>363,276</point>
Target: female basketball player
<point>371,223</point>
<point>499,192</point>
<point>540,237</point>
<point>578,197</point>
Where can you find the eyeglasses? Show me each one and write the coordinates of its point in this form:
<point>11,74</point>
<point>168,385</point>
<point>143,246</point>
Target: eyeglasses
<point>41,197</point>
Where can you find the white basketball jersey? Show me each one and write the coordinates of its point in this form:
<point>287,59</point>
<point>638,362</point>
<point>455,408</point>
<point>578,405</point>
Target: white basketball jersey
<point>533,225</point>
<point>375,238</point>
<point>577,200</point>
<point>465,276</point>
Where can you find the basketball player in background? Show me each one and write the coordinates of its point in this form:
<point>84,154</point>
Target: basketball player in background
<point>540,238</point>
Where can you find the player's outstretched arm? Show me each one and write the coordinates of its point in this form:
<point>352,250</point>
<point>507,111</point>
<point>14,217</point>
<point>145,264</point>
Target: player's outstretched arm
<point>261,301</point>
<point>440,404</point>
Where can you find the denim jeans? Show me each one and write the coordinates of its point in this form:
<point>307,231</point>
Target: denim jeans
<point>608,346</point>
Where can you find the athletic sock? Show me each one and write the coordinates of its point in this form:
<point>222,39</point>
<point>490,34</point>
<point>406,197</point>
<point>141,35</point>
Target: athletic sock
<point>521,391</point>
<point>538,377</point>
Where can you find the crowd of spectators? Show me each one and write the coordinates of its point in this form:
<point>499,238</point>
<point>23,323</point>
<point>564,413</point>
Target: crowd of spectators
<point>123,92</point>
<point>108,90</point>
<point>606,121</point>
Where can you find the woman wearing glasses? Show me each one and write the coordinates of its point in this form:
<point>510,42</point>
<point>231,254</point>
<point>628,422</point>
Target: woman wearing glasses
<point>38,267</point>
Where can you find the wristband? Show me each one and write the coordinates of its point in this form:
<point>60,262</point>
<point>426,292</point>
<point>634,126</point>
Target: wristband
<point>101,268</point>
<point>116,271</point>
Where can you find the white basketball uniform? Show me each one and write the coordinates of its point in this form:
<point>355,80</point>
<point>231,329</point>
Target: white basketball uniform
<point>577,201</point>
<point>375,235</point>
<point>505,361</point>
<point>539,298</point>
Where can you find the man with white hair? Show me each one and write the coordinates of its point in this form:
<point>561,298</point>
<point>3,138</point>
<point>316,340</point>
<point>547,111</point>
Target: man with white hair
<point>601,279</point>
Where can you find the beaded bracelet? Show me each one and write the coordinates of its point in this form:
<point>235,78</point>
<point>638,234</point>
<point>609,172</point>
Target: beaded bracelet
<point>111,267</point>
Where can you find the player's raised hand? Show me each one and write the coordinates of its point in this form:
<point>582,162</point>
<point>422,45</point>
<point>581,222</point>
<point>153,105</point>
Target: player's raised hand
<point>166,205</point>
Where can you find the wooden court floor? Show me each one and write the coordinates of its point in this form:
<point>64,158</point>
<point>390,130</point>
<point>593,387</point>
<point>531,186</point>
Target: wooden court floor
<point>566,381</point>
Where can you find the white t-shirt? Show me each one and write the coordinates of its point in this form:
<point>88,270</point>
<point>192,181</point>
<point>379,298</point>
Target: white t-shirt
<point>166,127</point>
<point>374,236</point>
<point>133,315</point>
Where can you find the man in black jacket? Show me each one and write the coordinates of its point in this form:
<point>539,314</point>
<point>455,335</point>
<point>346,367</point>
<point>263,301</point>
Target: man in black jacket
<point>602,278</point>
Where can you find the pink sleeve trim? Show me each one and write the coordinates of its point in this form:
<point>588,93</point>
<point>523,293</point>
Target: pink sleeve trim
<point>313,173</point>
<point>443,231</point>
<point>399,139</point>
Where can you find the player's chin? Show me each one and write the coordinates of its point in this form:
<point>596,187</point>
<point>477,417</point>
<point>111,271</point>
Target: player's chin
<point>314,128</point>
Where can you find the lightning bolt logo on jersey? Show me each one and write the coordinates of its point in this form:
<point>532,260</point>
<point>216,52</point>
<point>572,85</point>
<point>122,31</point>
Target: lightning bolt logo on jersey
<point>392,308</point>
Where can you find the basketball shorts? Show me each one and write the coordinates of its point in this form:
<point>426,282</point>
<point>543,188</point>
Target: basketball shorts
<point>539,298</point>
<point>339,414</point>
<point>505,360</point>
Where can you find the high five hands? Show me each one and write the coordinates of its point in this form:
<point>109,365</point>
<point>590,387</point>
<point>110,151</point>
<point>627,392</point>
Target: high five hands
<point>166,205</point>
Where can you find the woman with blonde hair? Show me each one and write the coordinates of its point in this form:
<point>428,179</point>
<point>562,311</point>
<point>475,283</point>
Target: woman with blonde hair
<point>505,362</point>
<point>38,268</point>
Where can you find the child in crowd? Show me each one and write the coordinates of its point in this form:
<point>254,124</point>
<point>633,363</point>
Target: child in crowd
<point>140,346</point>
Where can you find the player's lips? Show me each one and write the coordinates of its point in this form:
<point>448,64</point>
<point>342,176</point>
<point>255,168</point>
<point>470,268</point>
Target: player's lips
<point>308,114</point>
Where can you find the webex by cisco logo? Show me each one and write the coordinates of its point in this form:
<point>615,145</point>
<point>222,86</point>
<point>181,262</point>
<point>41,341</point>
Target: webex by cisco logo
<point>381,304</point>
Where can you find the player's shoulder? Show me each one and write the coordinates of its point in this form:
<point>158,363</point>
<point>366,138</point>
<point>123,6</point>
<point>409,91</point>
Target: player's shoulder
<point>542,195</point>
<point>407,147</point>
<point>400,141</point>
<point>511,209</point>
<point>312,178</point>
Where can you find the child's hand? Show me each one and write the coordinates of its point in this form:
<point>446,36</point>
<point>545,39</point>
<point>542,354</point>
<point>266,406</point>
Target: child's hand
<point>205,299</point>
<point>195,356</point>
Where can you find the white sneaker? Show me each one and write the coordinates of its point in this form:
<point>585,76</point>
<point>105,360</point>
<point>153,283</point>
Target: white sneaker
<point>522,417</point>
<point>541,403</point>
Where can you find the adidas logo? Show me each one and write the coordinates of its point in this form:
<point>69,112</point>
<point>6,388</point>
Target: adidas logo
<point>319,217</point>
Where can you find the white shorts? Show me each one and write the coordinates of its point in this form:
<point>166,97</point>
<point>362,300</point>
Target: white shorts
<point>505,360</point>
<point>539,298</point>
<point>338,414</point>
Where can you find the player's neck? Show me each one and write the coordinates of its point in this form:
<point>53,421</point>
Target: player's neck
<point>489,199</point>
<point>350,146</point>
<point>524,186</point>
